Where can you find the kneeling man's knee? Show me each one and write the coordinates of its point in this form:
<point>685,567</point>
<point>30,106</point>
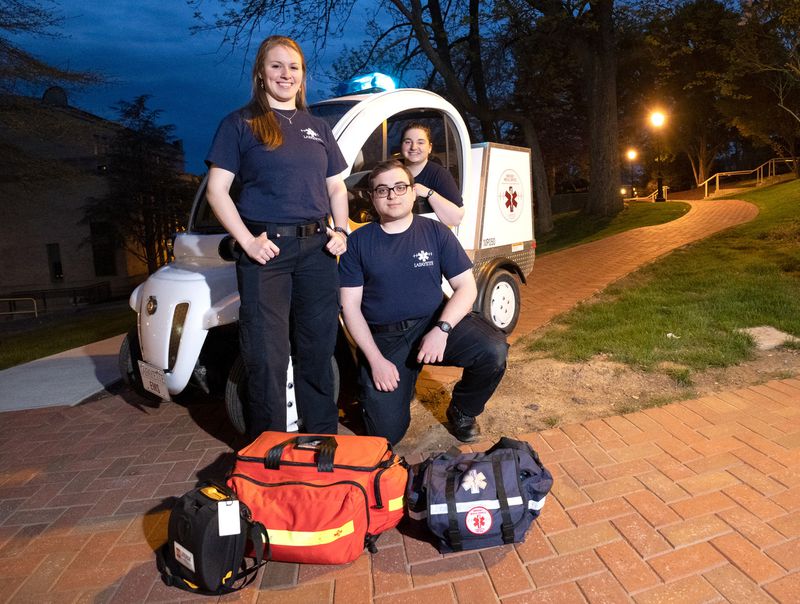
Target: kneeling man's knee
<point>392,429</point>
<point>496,354</point>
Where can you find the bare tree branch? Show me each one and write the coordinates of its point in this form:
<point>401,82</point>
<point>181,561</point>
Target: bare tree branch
<point>17,66</point>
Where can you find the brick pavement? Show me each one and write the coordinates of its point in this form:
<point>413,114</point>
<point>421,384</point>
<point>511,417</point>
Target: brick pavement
<point>696,501</point>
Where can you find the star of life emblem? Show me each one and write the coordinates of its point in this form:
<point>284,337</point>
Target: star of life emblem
<point>478,520</point>
<point>474,482</point>
<point>422,256</point>
<point>510,195</point>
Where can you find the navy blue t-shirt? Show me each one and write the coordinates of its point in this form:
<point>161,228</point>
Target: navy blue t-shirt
<point>287,184</point>
<point>401,273</point>
<point>437,177</point>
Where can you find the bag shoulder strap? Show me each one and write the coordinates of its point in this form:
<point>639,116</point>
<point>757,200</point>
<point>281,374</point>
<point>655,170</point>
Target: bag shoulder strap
<point>453,532</point>
<point>259,536</point>
<point>172,580</point>
<point>507,527</point>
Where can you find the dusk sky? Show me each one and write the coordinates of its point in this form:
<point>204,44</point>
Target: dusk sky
<point>144,47</point>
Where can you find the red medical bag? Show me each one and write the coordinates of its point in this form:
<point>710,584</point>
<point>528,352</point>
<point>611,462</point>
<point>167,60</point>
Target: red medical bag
<point>322,498</point>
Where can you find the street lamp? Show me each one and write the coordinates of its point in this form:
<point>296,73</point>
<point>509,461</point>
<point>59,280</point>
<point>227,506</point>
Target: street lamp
<point>631,154</point>
<point>657,119</point>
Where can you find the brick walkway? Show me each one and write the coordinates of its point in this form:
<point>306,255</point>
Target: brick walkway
<point>693,502</point>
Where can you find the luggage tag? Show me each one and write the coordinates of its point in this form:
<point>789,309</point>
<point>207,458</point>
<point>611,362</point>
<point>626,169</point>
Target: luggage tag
<point>228,517</point>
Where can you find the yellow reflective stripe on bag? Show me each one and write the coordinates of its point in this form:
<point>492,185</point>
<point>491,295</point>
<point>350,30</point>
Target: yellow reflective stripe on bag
<point>306,538</point>
<point>396,503</point>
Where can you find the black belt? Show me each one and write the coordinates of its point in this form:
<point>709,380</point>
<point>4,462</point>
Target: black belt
<point>275,229</point>
<point>393,327</point>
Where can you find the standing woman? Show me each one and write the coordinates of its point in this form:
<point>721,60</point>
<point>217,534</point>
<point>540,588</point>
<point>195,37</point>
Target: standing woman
<point>433,182</point>
<point>290,169</point>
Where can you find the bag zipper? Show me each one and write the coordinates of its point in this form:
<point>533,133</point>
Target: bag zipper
<point>308,484</point>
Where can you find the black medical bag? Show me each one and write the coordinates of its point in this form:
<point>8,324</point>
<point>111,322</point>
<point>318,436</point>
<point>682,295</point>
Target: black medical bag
<point>199,556</point>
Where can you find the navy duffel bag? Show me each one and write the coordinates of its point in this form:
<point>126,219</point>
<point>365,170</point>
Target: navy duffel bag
<point>476,500</point>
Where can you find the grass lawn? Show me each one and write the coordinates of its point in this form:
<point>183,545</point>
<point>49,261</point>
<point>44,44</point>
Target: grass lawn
<point>50,335</point>
<point>744,277</point>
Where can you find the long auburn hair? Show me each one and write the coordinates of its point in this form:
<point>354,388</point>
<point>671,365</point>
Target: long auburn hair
<point>263,122</point>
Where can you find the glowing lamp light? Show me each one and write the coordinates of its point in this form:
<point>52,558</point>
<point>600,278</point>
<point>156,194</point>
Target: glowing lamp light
<point>365,84</point>
<point>623,191</point>
<point>631,154</point>
<point>657,118</point>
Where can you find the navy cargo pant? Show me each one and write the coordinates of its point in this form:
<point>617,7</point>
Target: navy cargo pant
<point>472,344</point>
<point>290,305</point>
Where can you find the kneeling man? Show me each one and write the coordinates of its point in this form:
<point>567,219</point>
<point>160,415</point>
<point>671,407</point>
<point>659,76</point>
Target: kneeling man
<point>393,306</point>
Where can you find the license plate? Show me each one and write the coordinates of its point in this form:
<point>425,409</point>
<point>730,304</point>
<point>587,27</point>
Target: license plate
<point>154,380</point>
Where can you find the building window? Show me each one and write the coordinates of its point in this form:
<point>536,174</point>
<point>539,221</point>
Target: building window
<point>54,262</point>
<point>104,250</point>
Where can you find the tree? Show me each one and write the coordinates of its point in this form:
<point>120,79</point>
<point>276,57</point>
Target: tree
<point>691,48</point>
<point>149,197</point>
<point>588,28</point>
<point>20,67</point>
<point>753,106</point>
<point>765,72</point>
<point>546,88</point>
<point>636,79</point>
<point>455,37</point>
<point>564,74</point>
<point>597,51</point>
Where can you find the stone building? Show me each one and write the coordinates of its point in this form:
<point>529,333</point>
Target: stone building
<point>54,162</point>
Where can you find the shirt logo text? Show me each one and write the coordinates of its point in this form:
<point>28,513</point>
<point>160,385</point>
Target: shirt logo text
<point>310,134</point>
<point>424,259</point>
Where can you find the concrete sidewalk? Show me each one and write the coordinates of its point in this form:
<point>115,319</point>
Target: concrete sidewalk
<point>696,501</point>
<point>65,378</point>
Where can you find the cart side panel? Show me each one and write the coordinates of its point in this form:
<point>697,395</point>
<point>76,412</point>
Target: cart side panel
<point>507,198</point>
<point>469,230</point>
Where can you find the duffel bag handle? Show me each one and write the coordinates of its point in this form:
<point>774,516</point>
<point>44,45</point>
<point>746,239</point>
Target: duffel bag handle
<point>326,451</point>
<point>511,443</point>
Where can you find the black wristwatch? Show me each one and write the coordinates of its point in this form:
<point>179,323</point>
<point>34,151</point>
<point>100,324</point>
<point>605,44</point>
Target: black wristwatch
<point>340,230</point>
<point>444,326</point>
<point>430,193</point>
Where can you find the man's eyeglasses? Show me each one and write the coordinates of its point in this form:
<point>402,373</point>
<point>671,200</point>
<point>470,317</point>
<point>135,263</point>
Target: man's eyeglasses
<point>383,191</point>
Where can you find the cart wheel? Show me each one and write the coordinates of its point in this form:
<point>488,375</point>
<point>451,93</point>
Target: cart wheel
<point>128,362</point>
<point>236,392</point>
<point>501,302</point>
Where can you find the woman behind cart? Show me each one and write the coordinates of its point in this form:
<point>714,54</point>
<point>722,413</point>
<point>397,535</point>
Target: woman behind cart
<point>434,184</point>
<point>290,169</point>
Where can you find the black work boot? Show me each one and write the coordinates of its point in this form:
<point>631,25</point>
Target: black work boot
<point>464,427</point>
